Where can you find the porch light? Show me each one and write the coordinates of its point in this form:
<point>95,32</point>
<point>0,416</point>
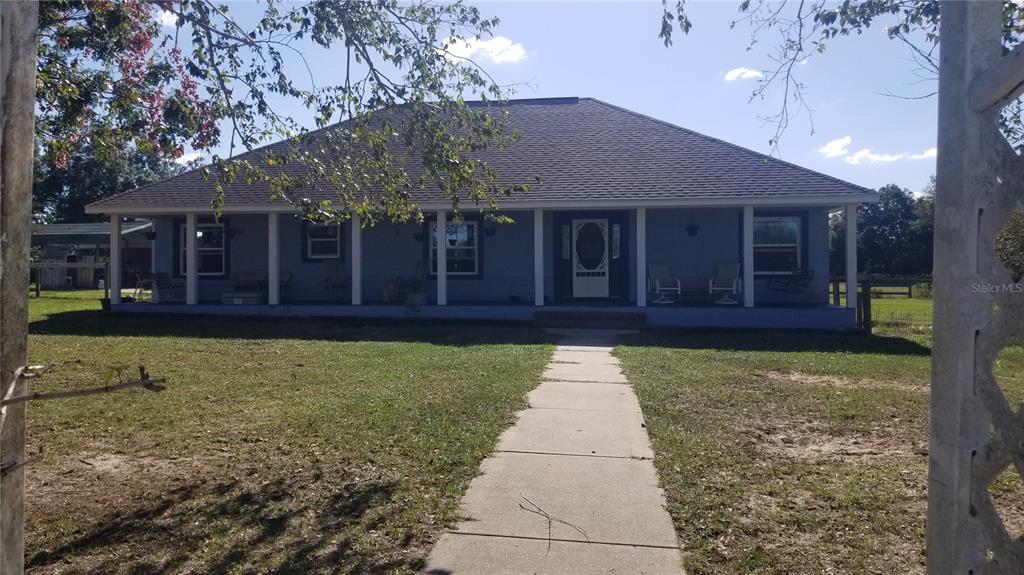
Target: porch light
<point>489,227</point>
<point>692,229</point>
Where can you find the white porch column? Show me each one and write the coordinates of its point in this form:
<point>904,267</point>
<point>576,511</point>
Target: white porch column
<point>273,261</point>
<point>851,256</point>
<point>152,249</point>
<point>191,263</point>
<point>114,281</point>
<point>748,256</point>
<point>441,236</point>
<point>538,258</point>
<point>641,257</point>
<point>357,259</point>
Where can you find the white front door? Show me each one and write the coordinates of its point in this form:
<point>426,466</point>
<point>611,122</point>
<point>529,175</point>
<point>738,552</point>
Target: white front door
<point>590,258</point>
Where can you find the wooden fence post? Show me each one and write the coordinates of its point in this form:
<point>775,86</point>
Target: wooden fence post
<point>865,303</point>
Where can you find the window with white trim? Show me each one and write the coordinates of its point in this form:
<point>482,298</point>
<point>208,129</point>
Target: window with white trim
<point>463,248</point>
<point>778,248</point>
<point>323,241</point>
<point>209,249</point>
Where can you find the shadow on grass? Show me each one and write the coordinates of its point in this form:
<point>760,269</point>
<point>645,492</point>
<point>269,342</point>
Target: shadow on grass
<point>452,333</point>
<point>448,332</point>
<point>222,527</point>
<point>780,341</point>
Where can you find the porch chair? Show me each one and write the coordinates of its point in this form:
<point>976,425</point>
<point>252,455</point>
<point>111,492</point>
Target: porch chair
<point>727,282</point>
<point>661,282</point>
<point>167,289</point>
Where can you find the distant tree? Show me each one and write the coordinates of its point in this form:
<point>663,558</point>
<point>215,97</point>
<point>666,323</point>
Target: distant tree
<point>61,190</point>
<point>894,236</point>
<point>924,226</point>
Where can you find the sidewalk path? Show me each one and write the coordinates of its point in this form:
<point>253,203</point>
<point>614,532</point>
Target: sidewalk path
<point>571,488</point>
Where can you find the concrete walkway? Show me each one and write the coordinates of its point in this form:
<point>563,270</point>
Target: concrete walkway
<point>571,488</point>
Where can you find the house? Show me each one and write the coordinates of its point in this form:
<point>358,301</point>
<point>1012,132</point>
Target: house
<point>76,255</point>
<point>631,215</point>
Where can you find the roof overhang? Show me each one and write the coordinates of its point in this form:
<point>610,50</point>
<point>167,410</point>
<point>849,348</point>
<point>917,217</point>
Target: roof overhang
<point>824,200</point>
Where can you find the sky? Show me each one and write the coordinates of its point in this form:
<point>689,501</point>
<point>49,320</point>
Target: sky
<point>611,51</point>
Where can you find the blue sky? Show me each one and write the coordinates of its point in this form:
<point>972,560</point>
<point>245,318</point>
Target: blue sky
<point>611,51</point>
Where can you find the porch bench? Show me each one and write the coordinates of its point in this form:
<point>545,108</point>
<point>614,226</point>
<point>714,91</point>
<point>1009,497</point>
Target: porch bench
<point>243,297</point>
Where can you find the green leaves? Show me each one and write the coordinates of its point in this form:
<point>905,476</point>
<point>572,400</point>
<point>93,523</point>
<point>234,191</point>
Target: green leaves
<point>398,119</point>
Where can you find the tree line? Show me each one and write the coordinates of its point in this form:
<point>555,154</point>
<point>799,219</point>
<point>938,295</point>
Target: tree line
<point>895,235</point>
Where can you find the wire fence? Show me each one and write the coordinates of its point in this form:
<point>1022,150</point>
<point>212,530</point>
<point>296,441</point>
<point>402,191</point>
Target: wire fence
<point>890,303</point>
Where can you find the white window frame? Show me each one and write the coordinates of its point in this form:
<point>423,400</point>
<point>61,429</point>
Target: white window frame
<point>309,242</point>
<point>183,247</point>
<point>432,253</point>
<point>798,245</point>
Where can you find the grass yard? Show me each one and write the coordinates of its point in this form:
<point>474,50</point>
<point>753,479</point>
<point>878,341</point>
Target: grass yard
<point>797,453</point>
<point>902,314</point>
<point>279,447</point>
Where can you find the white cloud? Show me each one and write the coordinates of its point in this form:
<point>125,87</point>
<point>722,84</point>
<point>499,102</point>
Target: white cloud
<point>497,50</point>
<point>929,153</point>
<point>188,157</point>
<point>168,19</point>
<point>839,148</point>
<point>866,156</point>
<point>836,148</point>
<point>742,73</point>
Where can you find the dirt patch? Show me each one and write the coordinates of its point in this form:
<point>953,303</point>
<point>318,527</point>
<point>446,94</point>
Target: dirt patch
<point>799,378</point>
<point>813,440</point>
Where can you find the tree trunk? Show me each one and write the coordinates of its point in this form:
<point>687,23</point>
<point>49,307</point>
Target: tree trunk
<point>18,23</point>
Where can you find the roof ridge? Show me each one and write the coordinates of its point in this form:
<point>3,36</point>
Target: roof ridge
<point>730,144</point>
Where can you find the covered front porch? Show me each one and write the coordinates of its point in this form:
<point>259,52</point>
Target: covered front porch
<point>729,266</point>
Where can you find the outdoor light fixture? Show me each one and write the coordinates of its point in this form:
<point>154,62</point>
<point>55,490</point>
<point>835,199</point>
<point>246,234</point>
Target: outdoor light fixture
<point>489,227</point>
<point>692,229</point>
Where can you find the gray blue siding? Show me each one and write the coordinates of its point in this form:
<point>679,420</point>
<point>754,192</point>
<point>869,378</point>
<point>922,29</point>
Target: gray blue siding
<point>391,250</point>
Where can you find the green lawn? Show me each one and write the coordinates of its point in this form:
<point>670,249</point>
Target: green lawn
<point>278,447</point>
<point>796,453</point>
<point>320,447</point>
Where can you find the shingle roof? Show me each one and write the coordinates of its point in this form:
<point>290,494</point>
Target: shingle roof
<point>87,229</point>
<point>582,149</point>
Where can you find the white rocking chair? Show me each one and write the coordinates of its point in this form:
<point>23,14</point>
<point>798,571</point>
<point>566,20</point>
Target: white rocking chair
<point>727,282</point>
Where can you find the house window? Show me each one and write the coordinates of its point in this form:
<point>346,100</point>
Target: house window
<point>777,245</point>
<point>463,248</point>
<point>209,249</point>
<point>323,241</point>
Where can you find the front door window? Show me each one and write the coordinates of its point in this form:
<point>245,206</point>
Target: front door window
<point>590,258</point>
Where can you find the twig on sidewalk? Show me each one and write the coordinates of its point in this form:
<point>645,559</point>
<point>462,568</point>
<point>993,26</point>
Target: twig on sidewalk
<point>537,509</point>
